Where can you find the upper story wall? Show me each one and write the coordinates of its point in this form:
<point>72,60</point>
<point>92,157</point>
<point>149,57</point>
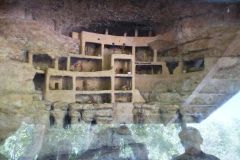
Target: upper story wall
<point>117,40</point>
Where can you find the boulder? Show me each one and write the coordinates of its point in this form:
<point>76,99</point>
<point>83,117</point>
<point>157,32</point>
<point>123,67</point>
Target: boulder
<point>88,115</point>
<point>59,116</point>
<point>76,116</point>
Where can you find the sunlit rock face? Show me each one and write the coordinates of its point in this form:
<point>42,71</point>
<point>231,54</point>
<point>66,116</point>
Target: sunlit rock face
<point>19,37</point>
<point>19,100</point>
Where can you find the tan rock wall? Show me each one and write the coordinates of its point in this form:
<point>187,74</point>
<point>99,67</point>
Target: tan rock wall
<point>18,97</point>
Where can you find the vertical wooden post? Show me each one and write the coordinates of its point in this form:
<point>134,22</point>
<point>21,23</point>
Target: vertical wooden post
<point>133,67</point>
<point>112,88</point>
<point>68,63</point>
<point>46,85</point>
<point>106,31</point>
<point>102,49</point>
<point>113,80</point>
<point>74,82</point>
<point>83,43</point>
<point>154,55</point>
<point>83,48</point>
<point>102,55</point>
<point>136,32</point>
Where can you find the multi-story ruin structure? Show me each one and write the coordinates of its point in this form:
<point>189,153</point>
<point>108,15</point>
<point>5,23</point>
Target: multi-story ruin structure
<point>108,69</point>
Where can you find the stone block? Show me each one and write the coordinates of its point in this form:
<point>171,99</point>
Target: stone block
<point>88,115</point>
<point>76,106</point>
<point>104,106</point>
<point>60,105</point>
<point>76,116</point>
<point>88,106</point>
<point>104,120</point>
<point>104,113</point>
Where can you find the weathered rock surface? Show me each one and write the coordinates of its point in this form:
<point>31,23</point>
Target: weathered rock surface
<point>35,27</point>
<point>60,105</point>
<point>162,15</point>
<point>17,97</point>
<point>19,101</point>
<point>100,113</point>
<point>19,37</point>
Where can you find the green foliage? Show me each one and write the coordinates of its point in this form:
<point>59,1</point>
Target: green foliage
<point>15,145</point>
<point>162,142</point>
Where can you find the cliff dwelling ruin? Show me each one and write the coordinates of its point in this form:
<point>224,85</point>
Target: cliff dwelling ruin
<point>120,63</point>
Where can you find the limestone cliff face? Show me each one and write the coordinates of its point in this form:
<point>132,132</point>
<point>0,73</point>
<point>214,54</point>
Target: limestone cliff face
<point>20,36</point>
<point>17,93</point>
<point>163,15</point>
<point>208,41</point>
<point>19,101</point>
<point>32,26</point>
